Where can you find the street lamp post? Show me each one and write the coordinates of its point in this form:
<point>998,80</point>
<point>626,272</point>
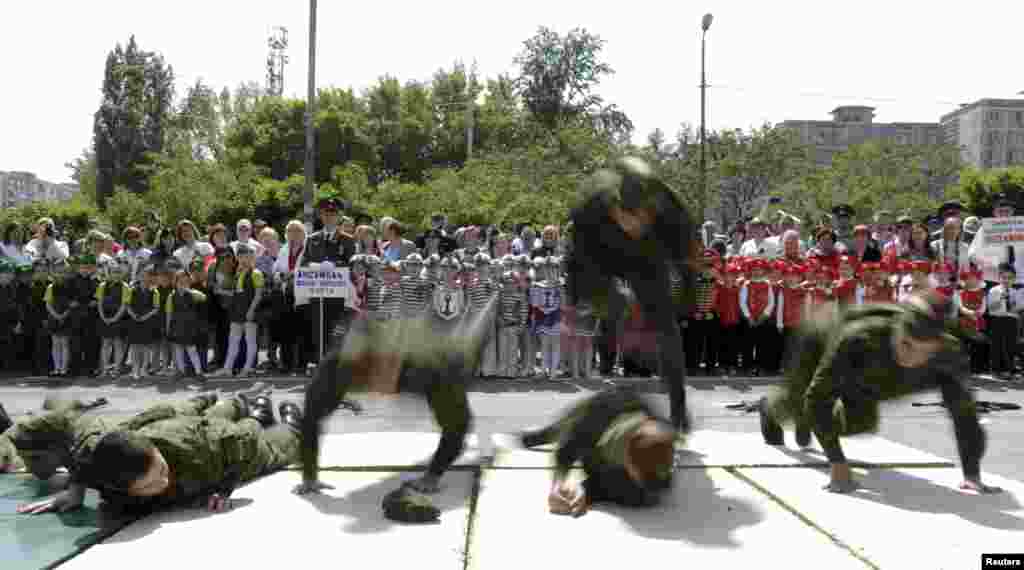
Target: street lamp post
<point>705,24</point>
<point>307,193</point>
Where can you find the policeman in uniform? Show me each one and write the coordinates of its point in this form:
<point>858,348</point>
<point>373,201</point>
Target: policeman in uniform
<point>843,219</point>
<point>329,247</point>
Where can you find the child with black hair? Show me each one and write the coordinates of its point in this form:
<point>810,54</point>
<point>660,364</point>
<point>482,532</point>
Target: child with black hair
<point>203,323</point>
<point>59,297</point>
<point>113,296</point>
<point>1004,305</point>
<point>183,310</point>
<point>144,303</point>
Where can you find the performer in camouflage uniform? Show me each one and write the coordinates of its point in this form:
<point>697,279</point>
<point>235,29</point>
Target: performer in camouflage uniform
<point>626,449</point>
<point>844,364</point>
<point>166,456</point>
<point>633,226</point>
<point>433,361</point>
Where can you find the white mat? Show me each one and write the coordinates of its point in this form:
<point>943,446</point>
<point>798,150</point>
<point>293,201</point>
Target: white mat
<point>713,520</point>
<point>277,529</point>
<point>390,449</point>
<point>907,518</point>
<point>727,449</point>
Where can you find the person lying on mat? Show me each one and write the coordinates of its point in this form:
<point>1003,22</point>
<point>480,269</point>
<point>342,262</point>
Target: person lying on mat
<point>627,453</point>
<point>163,459</point>
<point>18,450</point>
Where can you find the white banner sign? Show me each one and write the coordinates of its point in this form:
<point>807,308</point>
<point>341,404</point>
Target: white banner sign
<point>989,247</point>
<point>332,284</point>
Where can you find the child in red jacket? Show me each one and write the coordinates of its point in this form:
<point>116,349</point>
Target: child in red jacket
<point>845,288</point>
<point>793,301</point>
<point>757,301</point>
<point>727,306</point>
<point>971,304</point>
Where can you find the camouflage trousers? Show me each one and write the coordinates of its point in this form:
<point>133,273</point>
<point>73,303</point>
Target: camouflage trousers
<point>850,415</point>
<point>277,446</point>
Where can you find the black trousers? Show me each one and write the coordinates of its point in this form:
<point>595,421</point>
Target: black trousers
<point>762,339</point>
<point>701,343</point>
<point>293,332</point>
<point>1004,343</point>
<point>729,342</point>
<point>612,327</point>
<point>334,317</point>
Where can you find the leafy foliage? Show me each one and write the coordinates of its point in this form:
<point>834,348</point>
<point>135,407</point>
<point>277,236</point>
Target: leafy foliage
<point>978,188</point>
<point>138,92</point>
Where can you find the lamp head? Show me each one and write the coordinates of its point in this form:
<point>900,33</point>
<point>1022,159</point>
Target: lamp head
<point>706,22</point>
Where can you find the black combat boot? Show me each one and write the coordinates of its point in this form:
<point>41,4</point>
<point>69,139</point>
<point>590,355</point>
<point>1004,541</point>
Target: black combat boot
<point>291,414</point>
<point>770,429</point>
<point>261,409</point>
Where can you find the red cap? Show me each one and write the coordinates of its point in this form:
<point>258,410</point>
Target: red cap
<point>944,267</point>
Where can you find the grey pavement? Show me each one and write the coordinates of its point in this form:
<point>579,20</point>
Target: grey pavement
<point>511,405</point>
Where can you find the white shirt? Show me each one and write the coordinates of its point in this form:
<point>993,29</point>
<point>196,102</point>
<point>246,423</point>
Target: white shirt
<point>995,302</point>
<point>759,248</point>
<point>187,253</point>
<point>56,251</point>
<point>990,267</point>
<point>255,245</point>
<point>281,265</point>
<point>774,243</point>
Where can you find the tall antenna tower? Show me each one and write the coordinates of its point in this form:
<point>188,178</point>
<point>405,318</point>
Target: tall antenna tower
<point>276,59</point>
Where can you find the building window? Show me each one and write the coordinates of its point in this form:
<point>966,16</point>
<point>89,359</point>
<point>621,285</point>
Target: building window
<point>1018,118</point>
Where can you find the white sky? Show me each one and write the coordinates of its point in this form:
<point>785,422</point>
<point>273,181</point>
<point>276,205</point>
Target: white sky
<point>767,61</point>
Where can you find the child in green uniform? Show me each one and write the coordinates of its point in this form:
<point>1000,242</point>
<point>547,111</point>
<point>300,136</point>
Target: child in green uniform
<point>163,363</point>
<point>8,313</point>
<point>183,311</point>
<point>36,318</point>
<point>84,321</point>
<point>58,301</point>
<point>144,310</point>
<point>113,297</point>
<point>247,296</point>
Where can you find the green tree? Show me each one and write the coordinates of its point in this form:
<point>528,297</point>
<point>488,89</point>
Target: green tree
<point>745,167</point>
<point>557,78</point>
<point>978,188</point>
<point>83,172</point>
<point>880,175</point>
<point>138,92</point>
